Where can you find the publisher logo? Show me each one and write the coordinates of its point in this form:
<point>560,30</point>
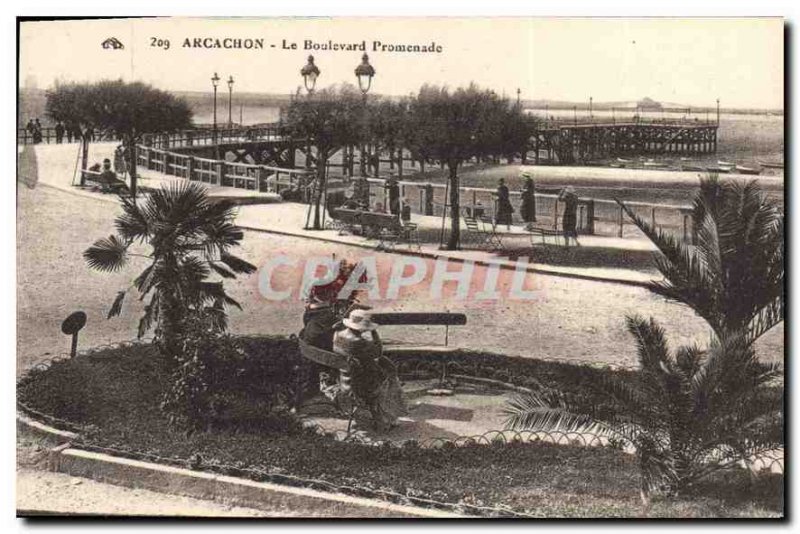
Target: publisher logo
<point>112,43</point>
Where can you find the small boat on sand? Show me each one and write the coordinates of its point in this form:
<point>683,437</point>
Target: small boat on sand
<point>693,168</point>
<point>771,164</point>
<point>741,169</point>
<point>623,160</point>
<point>725,163</point>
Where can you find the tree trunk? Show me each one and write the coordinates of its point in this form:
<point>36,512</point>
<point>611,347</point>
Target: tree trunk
<point>130,150</point>
<point>322,159</point>
<point>455,211</point>
<point>84,156</point>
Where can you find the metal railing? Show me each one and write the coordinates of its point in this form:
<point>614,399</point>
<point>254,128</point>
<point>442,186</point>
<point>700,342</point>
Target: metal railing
<point>595,216</point>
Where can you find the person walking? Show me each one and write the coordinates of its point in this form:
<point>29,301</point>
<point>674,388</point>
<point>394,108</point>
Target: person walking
<point>37,132</point>
<point>30,128</point>
<point>569,221</point>
<point>59,133</point>
<point>504,207</point>
<point>394,195</point>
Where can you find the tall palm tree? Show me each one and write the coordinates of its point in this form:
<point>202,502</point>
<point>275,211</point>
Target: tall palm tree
<point>694,411</point>
<point>733,275</point>
<point>190,237</point>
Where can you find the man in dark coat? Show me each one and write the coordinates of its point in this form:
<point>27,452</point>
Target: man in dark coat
<point>394,195</point>
<point>59,133</point>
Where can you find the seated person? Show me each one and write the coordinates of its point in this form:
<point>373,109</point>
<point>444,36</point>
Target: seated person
<point>351,204</point>
<point>108,179</point>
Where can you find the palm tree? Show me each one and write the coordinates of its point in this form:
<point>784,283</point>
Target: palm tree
<point>733,275</point>
<point>190,237</point>
<point>688,413</point>
<point>694,411</point>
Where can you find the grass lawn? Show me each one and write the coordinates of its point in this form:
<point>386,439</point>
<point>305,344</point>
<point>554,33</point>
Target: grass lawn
<point>114,395</point>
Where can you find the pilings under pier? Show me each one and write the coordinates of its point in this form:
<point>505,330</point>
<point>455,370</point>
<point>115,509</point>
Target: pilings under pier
<point>580,143</point>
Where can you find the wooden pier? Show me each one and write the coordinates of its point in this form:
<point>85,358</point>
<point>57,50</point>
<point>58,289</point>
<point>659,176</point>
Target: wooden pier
<point>567,143</point>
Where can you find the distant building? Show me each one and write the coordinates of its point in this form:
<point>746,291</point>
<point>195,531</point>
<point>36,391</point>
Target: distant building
<point>647,104</point>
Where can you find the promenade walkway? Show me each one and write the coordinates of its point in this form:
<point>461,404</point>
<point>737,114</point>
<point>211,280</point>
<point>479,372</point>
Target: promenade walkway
<point>608,259</point>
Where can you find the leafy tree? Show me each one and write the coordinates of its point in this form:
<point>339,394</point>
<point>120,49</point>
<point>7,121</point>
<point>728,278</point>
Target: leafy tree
<point>452,128</point>
<point>385,124</point>
<point>330,119</point>
<point>127,110</point>
<point>694,411</point>
<point>71,104</point>
<point>190,238</point>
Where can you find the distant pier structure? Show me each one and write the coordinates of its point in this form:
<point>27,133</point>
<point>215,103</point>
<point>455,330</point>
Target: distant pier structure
<point>569,141</point>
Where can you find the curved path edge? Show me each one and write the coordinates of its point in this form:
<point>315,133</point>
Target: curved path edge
<point>643,282</point>
<point>65,458</point>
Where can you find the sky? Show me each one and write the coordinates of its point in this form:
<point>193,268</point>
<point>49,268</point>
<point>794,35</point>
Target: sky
<point>685,61</point>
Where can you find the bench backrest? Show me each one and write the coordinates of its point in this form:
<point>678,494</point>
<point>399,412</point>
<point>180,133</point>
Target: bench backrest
<point>420,318</point>
<point>379,219</point>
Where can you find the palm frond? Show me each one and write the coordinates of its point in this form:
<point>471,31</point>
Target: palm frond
<point>109,254</point>
<point>543,411</point>
<point>236,264</point>
<point>116,306</point>
<point>221,270</point>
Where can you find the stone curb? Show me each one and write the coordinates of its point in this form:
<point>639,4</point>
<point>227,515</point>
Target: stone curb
<point>435,256</point>
<point>130,473</point>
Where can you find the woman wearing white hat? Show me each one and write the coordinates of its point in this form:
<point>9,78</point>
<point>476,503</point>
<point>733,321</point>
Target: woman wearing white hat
<point>372,377</point>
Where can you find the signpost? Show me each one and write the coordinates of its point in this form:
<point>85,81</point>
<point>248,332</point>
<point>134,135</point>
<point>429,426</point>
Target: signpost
<point>71,326</point>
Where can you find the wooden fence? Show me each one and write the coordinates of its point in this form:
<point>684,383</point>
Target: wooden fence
<point>261,178</point>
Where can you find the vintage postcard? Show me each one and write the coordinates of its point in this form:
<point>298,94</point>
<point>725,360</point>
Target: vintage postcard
<point>401,267</point>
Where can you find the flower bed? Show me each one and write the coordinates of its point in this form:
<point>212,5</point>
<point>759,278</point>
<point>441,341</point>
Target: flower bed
<point>112,397</point>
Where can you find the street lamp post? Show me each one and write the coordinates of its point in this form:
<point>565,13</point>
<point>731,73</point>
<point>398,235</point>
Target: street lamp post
<point>230,102</point>
<point>364,73</point>
<point>310,73</point>
<point>215,83</point>
<point>591,111</point>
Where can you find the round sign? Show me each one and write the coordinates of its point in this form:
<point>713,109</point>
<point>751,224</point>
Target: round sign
<point>73,323</point>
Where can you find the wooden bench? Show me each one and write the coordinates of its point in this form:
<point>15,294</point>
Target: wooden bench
<point>344,219</point>
<point>444,319</point>
<point>388,229</point>
<point>92,180</point>
<point>337,361</point>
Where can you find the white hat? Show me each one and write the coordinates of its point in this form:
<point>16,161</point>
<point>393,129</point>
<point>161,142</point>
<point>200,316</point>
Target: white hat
<point>359,320</point>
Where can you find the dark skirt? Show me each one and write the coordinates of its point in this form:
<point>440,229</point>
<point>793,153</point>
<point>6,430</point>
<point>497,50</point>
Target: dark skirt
<point>504,211</point>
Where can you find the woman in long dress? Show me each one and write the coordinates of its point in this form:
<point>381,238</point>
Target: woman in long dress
<point>528,208</point>
<point>504,207</point>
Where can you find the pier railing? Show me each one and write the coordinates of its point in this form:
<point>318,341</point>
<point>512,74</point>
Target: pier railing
<point>261,178</point>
